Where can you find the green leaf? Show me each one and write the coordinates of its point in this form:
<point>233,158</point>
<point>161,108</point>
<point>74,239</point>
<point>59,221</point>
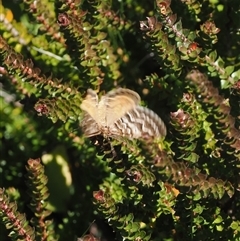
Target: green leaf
<point>220,228</point>
<point>218,220</point>
<point>211,68</point>
<point>236,75</point>
<point>59,178</point>
<point>224,84</point>
<point>198,209</point>
<point>229,70</point>
<point>135,226</point>
<point>178,25</point>
<point>234,225</point>
<point>219,62</point>
<point>213,55</point>
<point>193,157</point>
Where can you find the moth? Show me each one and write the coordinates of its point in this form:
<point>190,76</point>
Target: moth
<point>119,114</point>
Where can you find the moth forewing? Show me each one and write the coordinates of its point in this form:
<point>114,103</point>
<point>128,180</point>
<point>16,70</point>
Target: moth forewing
<point>90,104</point>
<point>124,92</point>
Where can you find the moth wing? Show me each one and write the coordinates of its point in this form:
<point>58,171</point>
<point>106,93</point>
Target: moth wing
<point>89,126</point>
<point>140,122</point>
<point>117,103</point>
<point>90,104</point>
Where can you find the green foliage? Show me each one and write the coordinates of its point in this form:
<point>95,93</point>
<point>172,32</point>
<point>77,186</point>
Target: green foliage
<point>182,57</point>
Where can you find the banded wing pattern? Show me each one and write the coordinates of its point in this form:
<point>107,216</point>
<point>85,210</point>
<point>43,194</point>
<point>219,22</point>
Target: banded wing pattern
<point>140,123</point>
<point>118,113</point>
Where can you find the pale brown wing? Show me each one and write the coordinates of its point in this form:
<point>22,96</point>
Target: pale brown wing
<point>126,92</point>
<point>89,126</point>
<point>90,104</point>
<point>117,103</point>
<point>140,123</point>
